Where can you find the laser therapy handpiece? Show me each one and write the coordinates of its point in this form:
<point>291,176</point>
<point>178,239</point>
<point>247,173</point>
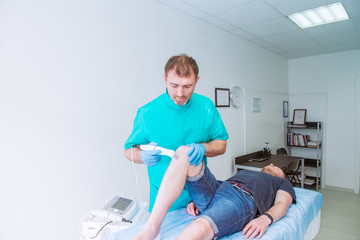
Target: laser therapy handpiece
<point>164,151</point>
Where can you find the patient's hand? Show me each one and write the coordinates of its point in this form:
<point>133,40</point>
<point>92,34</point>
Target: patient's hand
<point>256,227</point>
<point>192,210</point>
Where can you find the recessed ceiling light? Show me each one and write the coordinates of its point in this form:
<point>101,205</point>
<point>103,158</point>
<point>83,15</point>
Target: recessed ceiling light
<point>322,15</point>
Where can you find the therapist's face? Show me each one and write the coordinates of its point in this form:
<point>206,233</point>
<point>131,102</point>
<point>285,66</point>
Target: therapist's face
<point>180,89</point>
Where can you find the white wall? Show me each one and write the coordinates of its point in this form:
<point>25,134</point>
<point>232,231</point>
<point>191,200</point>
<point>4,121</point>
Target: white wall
<point>357,138</point>
<point>334,76</point>
<point>72,75</point>
<point>268,125</point>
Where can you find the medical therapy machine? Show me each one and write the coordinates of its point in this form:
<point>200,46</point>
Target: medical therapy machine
<point>117,214</point>
<point>120,212</point>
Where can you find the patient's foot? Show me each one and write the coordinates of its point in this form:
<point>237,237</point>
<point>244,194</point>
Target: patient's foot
<point>147,234</point>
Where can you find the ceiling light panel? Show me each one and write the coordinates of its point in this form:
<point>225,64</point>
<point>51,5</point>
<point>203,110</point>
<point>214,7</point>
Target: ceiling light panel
<point>318,16</point>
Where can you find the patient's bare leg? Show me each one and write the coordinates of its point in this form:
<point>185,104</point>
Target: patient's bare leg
<point>170,189</point>
<point>198,229</point>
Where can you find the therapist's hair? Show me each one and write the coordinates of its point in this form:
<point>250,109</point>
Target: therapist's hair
<point>182,64</point>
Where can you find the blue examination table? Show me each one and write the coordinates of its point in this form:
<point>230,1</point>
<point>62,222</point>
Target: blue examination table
<point>301,222</point>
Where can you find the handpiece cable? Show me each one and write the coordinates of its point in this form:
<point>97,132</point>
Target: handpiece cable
<point>137,183</point>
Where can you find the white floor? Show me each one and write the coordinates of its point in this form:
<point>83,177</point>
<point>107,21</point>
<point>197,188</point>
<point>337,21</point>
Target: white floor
<point>340,216</point>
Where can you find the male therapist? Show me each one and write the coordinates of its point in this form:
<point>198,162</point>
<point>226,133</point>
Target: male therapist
<point>177,117</point>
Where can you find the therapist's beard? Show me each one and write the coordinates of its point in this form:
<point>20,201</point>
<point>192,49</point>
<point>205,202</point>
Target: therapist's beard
<point>182,103</point>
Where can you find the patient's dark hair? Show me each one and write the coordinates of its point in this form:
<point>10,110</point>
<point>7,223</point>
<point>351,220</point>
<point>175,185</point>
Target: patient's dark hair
<point>270,171</point>
<point>182,64</point>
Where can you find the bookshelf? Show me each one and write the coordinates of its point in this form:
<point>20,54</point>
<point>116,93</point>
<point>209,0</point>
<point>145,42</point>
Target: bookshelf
<point>305,141</point>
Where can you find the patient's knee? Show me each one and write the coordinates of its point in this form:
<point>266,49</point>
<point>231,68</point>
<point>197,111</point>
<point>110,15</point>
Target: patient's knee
<point>205,229</point>
<point>183,158</point>
<point>198,229</point>
<point>181,152</point>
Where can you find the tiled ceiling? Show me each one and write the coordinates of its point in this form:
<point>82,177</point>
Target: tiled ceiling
<point>265,23</point>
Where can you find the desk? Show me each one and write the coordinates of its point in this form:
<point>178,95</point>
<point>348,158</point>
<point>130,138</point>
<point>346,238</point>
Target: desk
<point>242,162</point>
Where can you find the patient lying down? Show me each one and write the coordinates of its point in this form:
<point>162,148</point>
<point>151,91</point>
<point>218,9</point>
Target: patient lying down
<point>249,201</point>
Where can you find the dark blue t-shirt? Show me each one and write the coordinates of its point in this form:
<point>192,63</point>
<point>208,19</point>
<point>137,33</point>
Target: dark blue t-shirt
<point>263,187</point>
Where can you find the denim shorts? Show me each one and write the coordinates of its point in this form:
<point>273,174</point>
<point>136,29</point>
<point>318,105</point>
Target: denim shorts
<point>226,208</point>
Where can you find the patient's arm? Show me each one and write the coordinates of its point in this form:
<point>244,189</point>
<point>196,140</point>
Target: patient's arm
<point>258,226</point>
<point>192,210</point>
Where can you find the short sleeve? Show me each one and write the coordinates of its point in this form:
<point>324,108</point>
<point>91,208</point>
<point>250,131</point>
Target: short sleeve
<point>218,130</point>
<point>138,134</point>
<point>287,187</point>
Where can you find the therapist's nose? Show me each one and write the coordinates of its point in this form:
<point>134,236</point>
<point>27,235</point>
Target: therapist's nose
<point>180,91</point>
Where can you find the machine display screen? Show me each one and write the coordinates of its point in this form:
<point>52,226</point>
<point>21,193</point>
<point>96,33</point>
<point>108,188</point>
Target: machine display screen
<point>121,204</point>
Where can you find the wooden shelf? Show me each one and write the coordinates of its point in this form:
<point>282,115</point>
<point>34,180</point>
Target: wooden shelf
<point>311,162</point>
<point>308,186</point>
<point>308,125</point>
<point>304,146</point>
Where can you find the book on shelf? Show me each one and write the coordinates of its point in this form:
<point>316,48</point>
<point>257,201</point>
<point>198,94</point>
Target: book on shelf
<point>307,139</point>
<point>301,139</point>
<point>309,181</point>
<point>297,139</point>
<point>313,144</point>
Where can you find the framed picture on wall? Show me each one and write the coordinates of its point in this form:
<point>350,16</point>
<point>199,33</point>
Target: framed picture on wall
<point>285,109</point>
<point>299,117</point>
<point>222,97</point>
<point>256,105</point>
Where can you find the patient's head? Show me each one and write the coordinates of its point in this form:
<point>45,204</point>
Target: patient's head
<point>273,170</point>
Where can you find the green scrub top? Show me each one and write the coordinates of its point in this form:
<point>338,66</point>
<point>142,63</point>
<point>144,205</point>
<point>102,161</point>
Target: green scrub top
<point>171,126</point>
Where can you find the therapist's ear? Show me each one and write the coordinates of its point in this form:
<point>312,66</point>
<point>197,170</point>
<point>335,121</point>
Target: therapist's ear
<point>197,79</point>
